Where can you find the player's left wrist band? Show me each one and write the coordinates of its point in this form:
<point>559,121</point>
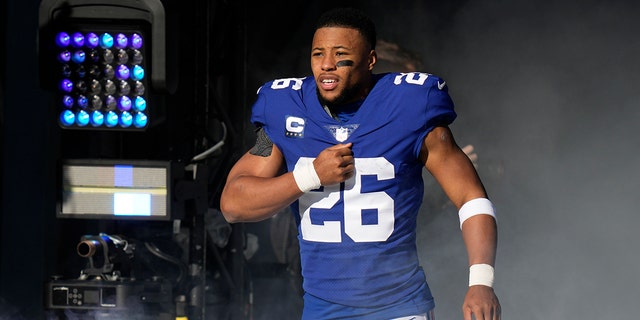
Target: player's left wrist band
<point>481,274</point>
<point>306,177</point>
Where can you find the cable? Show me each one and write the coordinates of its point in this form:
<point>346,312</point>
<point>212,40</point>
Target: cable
<point>157,252</point>
<point>215,147</point>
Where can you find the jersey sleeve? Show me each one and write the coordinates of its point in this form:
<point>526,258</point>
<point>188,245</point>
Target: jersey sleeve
<point>258,116</point>
<point>440,108</point>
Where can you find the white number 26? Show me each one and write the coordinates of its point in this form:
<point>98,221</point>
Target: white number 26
<point>355,204</point>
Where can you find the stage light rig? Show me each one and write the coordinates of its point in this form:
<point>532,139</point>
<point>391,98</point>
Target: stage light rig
<point>102,59</point>
<point>102,80</point>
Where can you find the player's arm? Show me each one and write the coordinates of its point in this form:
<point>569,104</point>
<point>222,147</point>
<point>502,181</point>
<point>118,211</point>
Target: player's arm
<point>455,172</point>
<point>255,189</point>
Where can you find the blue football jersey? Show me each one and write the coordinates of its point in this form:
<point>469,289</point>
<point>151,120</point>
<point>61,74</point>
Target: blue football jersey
<point>358,238</point>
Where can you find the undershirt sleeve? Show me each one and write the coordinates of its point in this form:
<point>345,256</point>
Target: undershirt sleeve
<point>263,144</point>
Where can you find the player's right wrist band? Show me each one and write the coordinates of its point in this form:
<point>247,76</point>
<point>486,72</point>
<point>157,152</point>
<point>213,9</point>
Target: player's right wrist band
<point>481,274</point>
<point>306,177</point>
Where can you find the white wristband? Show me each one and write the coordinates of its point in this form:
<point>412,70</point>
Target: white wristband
<point>306,177</point>
<point>475,207</point>
<point>481,274</point>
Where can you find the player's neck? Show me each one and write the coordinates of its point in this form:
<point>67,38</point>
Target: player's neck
<point>343,112</point>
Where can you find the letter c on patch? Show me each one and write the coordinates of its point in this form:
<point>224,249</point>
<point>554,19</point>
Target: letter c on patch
<point>295,125</point>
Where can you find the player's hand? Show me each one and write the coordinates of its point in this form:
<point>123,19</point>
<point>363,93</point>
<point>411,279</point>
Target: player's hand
<point>335,164</point>
<point>482,303</point>
<point>468,150</point>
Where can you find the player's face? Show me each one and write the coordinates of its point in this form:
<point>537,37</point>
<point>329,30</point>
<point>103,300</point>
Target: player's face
<point>341,63</point>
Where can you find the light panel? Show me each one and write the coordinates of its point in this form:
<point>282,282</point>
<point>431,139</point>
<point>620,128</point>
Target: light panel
<point>101,78</point>
<point>115,189</point>
<point>106,62</point>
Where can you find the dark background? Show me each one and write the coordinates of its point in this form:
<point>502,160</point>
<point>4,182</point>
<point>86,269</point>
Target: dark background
<point>548,93</point>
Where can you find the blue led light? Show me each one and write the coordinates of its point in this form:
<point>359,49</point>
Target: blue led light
<point>122,72</point>
<point>140,120</point>
<point>136,41</point>
<point>81,71</point>
<point>78,56</point>
<point>67,101</point>
<point>111,119</point>
<point>97,118</point>
<point>77,40</point>
<point>121,41</point>
<point>137,73</point>
<point>124,103</point>
<point>66,71</point>
<point>82,118</point>
<point>63,39</point>
<point>140,104</point>
<point>93,40</point>
<point>106,41</point>
<point>108,71</point>
<point>83,102</point>
<point>126,119</point>
<point>66,85</point>
<point>67,118</point>
<point>64,56</point>
<point>111,102</point>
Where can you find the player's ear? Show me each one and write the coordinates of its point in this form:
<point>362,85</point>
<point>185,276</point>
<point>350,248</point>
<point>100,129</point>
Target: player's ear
<point>373,58</point>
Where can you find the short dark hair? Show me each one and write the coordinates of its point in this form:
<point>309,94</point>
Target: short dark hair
<point>349,18</point>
